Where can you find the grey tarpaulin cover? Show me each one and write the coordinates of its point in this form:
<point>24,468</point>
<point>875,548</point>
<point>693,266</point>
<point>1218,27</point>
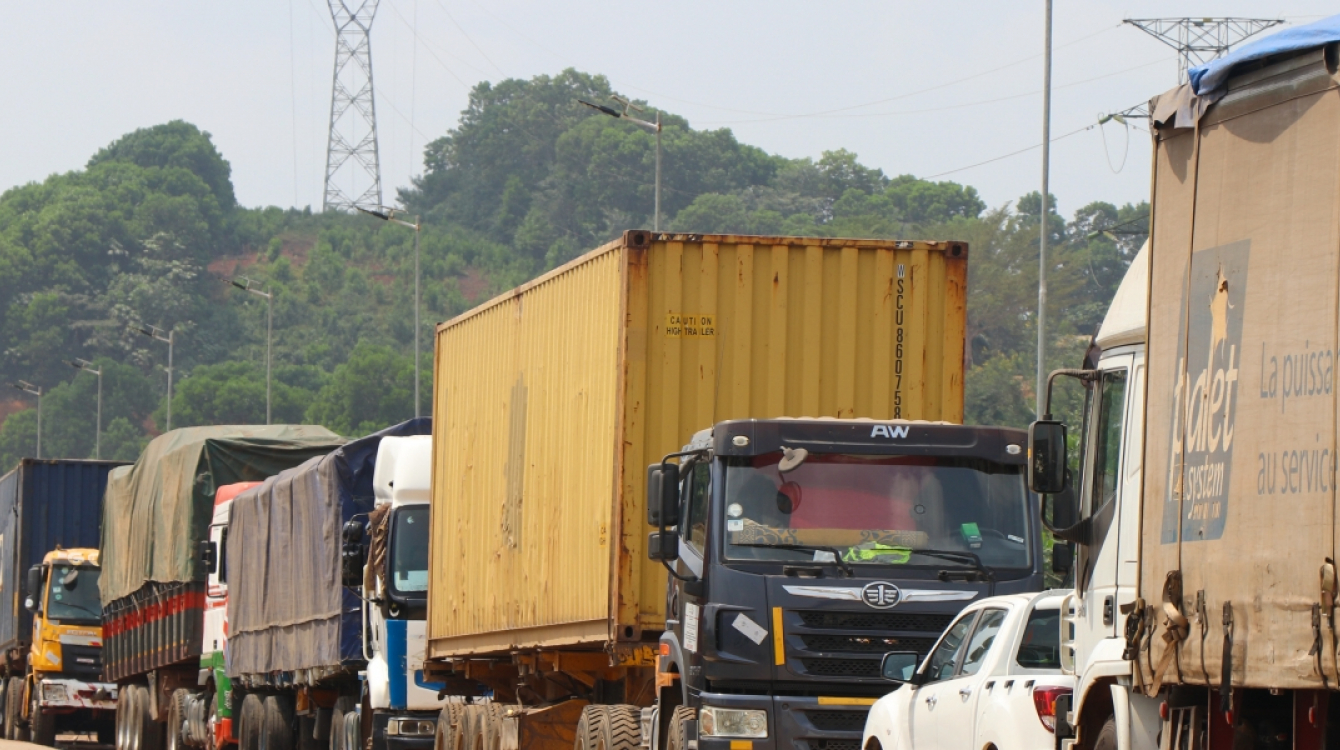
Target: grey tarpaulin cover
<point>287,608</point>
<point>156,512</point>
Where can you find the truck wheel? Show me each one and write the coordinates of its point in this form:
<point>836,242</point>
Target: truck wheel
<point>352,732</point>
<point>275,731</point>
<point>14,709</point>
<point>250,723</point>
<point>447,734</point>
<point>149,733</point>
<point>622,730</point>
<point>176,720</point>
<point>343,706</point>
<point>679,727</point>
<point>41,724</point>
<point>1107,736</point>
<point>590,728</point>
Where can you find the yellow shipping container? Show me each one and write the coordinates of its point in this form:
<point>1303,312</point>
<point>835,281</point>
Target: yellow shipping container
<point>551,400</point>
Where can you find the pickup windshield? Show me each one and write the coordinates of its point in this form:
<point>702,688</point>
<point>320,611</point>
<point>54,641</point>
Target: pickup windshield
<point>72,594</point>
<point>409,550</point>
<point>878,510</point>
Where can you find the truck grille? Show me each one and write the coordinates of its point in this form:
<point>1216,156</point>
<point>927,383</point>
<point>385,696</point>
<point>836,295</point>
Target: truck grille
<point>838,645</point>
<point>876,621</point>
<point>865,644</point>
<point>838,721</point>
<point>835,744</point>
<point>84,662</point>
<point>842,667</point>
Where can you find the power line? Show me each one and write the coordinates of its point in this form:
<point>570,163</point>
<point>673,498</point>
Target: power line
<point>1012,153</point>
<point>468,38</point>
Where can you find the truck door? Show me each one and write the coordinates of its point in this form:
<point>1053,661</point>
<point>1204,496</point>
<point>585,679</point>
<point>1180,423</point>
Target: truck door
<point>697,494</point>
<point>1128,503</point>
<point>1096,564</point>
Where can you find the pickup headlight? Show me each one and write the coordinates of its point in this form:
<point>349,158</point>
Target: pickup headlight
<point>732,722</point>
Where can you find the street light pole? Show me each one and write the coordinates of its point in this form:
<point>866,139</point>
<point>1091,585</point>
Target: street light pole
<point>245,285</point>
<point>27,387</point>
<point>1043,223</point>
<point>654,127</point>
<point>83,364</point>
<point>156,333</point>
<point>388,214</point>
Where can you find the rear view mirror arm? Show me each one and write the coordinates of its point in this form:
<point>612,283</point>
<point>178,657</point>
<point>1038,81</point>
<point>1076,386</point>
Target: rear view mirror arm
<point>1087,376</point>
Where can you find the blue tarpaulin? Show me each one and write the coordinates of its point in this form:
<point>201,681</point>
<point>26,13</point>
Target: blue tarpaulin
<point>287,608</point>
<point>1207,79</point>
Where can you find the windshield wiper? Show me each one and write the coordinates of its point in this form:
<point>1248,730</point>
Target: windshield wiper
<point>959,556</point>
<point>837,557</point>
<point>80,606</point>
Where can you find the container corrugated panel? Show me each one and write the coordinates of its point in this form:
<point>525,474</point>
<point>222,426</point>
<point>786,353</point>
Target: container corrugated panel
<point>554,398</point>
<point>44,504</point>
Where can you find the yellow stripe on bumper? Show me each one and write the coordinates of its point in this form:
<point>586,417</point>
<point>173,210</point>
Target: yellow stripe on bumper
<point>832,701</point>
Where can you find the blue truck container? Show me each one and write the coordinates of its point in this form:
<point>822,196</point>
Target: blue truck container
<point>44,504</point>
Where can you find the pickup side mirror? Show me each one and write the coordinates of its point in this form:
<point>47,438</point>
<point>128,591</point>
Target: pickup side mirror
<point>899,666</point>
<point>663,546</point>
<point>663,495</point>
<point>209,556</point>
<point>33,601</point>
<point>352,554</point>
<point>1063,558</point>
<point>1046,457</point>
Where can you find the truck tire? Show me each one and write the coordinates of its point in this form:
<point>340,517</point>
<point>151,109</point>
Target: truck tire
<point>622,729</point>
<point>14,709</point>
<point>447,735</point>
<point>679,727</point>
<point>251,723</point>
<point>590,728</point>
<point>306,737</point>
<point>41,724</point>
<point>343,705</point>
<point>276,729</point>
<point>150,732</point>
<point>176,721</point>
<point>1107,736</point>
<point>483,727</point>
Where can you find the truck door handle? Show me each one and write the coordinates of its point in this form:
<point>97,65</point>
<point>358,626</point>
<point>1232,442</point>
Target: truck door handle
<point>965,692</point>
<point>930,702</point>
<point>1107,610</point>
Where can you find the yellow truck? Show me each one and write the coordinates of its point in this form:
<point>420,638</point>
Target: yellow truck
<point>50,613</point>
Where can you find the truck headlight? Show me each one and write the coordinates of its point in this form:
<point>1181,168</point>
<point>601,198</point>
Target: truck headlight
<point>411,728</point>
<point>52,693</point>
<point>732,722</point>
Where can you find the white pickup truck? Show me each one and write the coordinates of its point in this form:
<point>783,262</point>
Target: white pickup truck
<point>992,680</point>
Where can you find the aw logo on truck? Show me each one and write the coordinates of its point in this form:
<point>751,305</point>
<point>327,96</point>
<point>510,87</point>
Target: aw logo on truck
<point>890,431</point>
<point>1210,342</point>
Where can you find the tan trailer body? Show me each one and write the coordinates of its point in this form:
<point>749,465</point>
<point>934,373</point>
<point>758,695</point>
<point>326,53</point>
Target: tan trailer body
<point>552,399</point>
<point>1240,443</point>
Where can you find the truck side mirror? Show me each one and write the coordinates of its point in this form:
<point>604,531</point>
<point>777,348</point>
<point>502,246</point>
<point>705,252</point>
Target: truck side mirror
<point>209,556</point>
<point>352,555</point>
<point>33,601</point>
<point>1046,457</point>
<point>663,546</point>
<point>663,495</point>
<point>1063,558</point>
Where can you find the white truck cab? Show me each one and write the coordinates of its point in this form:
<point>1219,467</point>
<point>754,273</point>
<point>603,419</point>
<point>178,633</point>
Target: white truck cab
<point>1107,536</point>
<point>394,636</point>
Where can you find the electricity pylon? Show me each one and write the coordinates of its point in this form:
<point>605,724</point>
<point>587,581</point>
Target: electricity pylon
<point>1200,40</point>
<point>351,156</point>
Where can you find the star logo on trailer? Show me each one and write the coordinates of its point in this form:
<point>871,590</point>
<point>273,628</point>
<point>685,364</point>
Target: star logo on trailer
<point>881,595</point>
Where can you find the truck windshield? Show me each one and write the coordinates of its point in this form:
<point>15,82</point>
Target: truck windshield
<point>878,510</point>
<point>409,550</point>
<point>72,594</point>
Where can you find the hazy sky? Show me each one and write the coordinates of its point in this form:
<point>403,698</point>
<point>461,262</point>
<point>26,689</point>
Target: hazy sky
<point>926,88</point>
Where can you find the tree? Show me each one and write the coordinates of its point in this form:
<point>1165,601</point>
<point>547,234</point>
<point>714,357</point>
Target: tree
<point>374,389</point>
<point>234,393</point>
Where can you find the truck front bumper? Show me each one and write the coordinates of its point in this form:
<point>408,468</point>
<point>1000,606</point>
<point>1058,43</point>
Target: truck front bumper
<point>66,692</point>
<point>794,722</point>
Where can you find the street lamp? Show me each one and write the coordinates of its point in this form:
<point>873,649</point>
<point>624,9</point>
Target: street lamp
<point>83,364</point>
<point>156,333</point>
<point>245,285</point>
<point>27,387</point>
<point>654,127</point>
<point>388,214</point>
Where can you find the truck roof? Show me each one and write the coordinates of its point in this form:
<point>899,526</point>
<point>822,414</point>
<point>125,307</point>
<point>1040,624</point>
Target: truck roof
<point>1125,320</point>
